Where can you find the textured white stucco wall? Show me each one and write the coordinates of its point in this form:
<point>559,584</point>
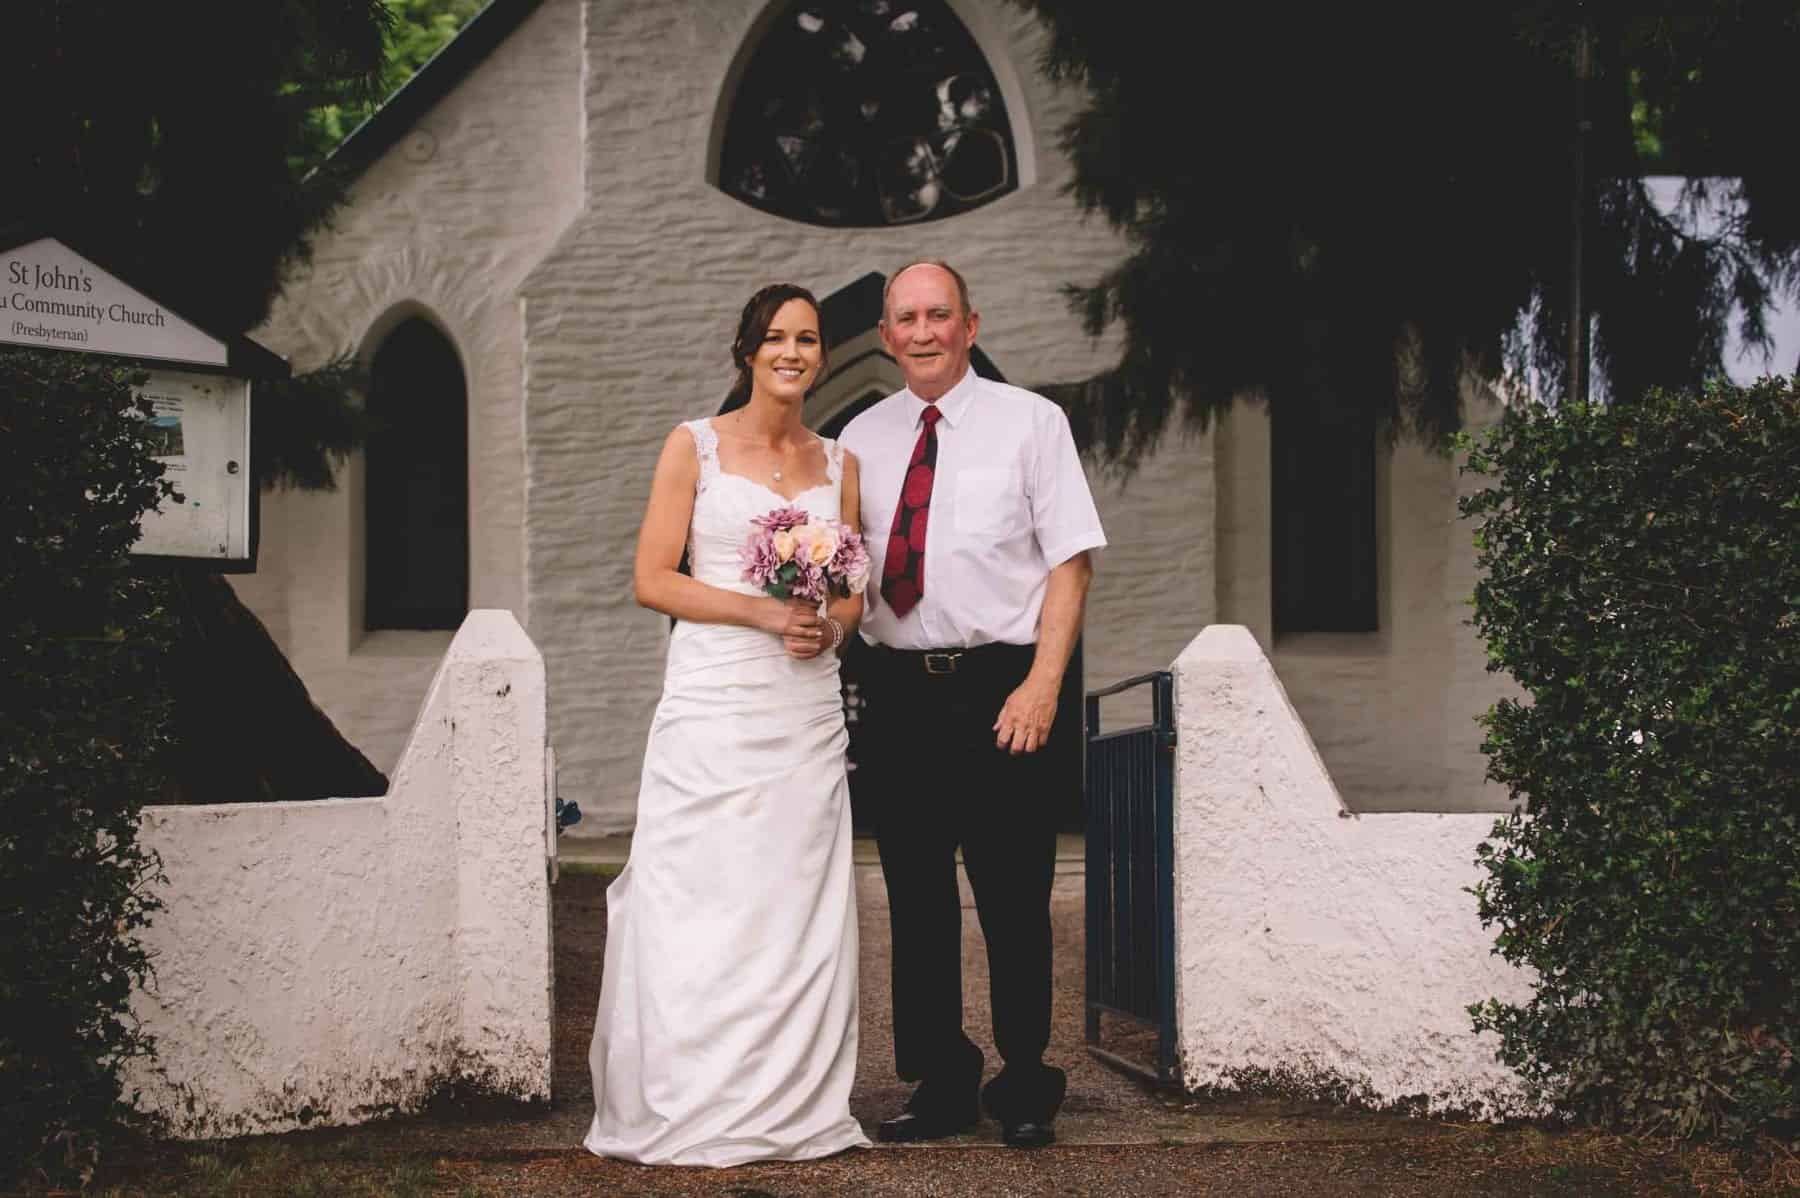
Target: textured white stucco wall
<point>1317,950</point>
<point>1392,711</point>
<point>1155,579</point>
<point>328,962</point>
<point>444,225</point>
<point>628,322</point>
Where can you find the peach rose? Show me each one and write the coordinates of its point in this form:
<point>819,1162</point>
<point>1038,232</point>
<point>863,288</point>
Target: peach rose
<point>823,543</point>
<point>785,543</point>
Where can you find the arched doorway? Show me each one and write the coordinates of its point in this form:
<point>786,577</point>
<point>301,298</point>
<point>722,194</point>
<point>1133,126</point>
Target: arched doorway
<point>862,374</point>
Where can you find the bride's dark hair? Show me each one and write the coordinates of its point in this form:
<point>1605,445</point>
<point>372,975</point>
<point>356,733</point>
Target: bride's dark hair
<point>754,324</point>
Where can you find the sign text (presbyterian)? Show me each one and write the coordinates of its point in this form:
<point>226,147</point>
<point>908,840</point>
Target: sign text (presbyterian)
<point>52,297</point>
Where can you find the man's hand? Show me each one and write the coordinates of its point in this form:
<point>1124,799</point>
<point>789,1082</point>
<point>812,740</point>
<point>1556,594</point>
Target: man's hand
<point>1025,719</point>
<point>1024,723</point>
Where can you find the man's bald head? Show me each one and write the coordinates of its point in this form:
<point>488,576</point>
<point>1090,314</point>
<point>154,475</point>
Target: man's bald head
<point>962,286</point>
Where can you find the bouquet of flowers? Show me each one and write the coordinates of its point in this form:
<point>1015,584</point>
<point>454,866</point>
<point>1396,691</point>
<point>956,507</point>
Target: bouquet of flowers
<point>791,555</point>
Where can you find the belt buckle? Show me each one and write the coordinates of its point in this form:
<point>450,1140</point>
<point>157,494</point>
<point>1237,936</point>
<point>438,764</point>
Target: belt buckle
<point>941,663</point>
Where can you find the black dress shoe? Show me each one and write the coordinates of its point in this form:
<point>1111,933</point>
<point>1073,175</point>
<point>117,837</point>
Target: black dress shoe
<point>910,1127</point>
<point>1029,1134</point>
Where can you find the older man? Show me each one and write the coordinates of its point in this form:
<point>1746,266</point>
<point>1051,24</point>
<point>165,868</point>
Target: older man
<point>980,522</point>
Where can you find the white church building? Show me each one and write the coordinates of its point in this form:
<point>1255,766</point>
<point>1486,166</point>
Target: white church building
<point>550,232</point>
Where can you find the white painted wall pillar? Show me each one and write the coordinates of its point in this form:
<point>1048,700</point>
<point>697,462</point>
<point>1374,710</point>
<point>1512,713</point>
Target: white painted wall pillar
<point>328,962</point>
<point>498,784</point>
<point>1317,950</point>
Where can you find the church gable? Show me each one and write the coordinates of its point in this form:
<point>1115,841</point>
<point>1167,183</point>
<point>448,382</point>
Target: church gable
<point>430,84</point>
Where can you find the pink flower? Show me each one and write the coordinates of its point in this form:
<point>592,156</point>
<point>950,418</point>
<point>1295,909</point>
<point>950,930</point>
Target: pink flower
<point>782,519</point>
<point>812,583</point>
<point>759,559</point>
<point>851,562</point>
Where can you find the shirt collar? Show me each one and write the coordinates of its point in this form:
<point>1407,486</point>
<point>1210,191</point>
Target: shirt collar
<point>952,404</point>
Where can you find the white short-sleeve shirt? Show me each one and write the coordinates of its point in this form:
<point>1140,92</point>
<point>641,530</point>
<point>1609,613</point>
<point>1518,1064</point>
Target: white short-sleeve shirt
<point>1009,502</point>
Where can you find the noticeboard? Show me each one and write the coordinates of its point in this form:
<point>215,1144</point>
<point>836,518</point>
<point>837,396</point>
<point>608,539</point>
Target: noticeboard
<point>54,297</point>
<point>200,432</point>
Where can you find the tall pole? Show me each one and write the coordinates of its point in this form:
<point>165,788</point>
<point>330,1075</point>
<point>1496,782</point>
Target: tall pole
<point>1578,323</point>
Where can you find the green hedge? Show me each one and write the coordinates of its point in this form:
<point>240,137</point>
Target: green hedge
<point>83,725</point>
<point>1641,583</point>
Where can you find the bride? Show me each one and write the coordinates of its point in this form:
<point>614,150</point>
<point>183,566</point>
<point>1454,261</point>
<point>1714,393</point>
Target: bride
<point>727,1027</point>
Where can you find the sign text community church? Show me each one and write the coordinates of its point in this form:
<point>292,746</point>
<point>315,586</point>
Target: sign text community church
<point>55,299</point>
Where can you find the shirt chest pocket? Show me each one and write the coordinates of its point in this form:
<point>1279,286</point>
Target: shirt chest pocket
<point>989,503</point>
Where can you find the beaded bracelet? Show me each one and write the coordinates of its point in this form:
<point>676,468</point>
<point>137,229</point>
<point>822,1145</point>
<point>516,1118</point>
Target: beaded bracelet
<point>837,632</point>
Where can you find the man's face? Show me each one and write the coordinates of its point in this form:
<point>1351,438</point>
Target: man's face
<point>926,330</point>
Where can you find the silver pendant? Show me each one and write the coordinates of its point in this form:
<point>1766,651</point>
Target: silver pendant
<point>777,476</point>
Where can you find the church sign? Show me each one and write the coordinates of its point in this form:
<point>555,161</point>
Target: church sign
<point>197,388</point>
<point>56,299</point>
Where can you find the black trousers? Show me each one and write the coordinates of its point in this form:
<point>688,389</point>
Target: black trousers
<point>944,786</point>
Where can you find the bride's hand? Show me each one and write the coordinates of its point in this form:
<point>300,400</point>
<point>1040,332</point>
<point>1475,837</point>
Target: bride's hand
<point>802,629</point>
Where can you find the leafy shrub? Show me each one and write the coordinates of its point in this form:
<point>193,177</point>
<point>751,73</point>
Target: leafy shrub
<point>83,724</point>
<point>1641,583</point>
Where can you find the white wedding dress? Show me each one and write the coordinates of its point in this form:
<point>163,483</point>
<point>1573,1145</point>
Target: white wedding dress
<point>727,1026</point>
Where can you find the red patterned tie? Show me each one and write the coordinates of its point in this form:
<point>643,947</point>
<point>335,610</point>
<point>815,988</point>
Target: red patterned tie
<point>903,573</point>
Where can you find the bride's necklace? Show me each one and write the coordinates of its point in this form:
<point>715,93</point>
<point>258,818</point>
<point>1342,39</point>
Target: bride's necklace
<point>775,474</point>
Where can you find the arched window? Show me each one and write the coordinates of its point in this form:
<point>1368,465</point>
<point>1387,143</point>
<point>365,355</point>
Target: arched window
<point>1323,511</point>
<point>417,483</point>
<point>867,113</point>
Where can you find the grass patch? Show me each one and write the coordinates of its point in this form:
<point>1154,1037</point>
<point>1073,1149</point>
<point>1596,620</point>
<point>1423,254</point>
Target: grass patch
<point>279,1171</point>
<point>1760,1168</point>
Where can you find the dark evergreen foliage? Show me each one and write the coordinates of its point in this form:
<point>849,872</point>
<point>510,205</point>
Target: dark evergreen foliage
<point>162,134</point>
<point>1349,204</point>
<point>419,29</point>
<point>190,146</point>
<point>1641,583</point>
<point>304,429</point>
<point>84,734</point>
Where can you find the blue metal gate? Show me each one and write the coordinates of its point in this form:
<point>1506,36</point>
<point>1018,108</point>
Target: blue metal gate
<point>1131,874</point>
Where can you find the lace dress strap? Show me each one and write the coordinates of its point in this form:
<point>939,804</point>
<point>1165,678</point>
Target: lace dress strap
<point>834,460</point>
<point>706,446</point>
